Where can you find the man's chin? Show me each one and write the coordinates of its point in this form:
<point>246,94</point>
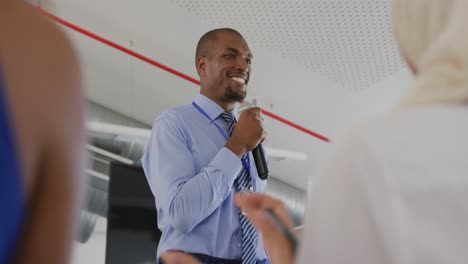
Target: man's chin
<point>232,96</point>
<point>239,97</point>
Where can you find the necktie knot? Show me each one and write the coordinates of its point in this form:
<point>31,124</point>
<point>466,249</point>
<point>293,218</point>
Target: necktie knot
<point>230,121</point>
<point>228,117</point>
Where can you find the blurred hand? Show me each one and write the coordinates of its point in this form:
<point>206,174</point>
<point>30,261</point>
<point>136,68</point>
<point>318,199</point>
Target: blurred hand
<point>178,257</point>
<point>255,206</point>
<point>248,132</point>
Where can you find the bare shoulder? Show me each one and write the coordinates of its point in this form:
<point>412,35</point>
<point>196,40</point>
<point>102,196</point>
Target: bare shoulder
<point>39,49</point>
<point>53,54</point>
<point>43,87</point>
<point>43,82</point>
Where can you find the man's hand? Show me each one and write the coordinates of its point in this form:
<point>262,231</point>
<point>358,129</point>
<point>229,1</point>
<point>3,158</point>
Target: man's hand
<point>255,206</point>
<point>248,132</point>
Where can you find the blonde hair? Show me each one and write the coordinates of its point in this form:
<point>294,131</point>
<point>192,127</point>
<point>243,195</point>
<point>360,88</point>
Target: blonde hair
<point>433,36</point>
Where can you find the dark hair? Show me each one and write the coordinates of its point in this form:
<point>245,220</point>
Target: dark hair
<point>205,43</point>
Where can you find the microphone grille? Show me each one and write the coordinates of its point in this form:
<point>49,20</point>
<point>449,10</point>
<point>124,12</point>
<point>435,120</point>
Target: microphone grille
<point>244,106</point>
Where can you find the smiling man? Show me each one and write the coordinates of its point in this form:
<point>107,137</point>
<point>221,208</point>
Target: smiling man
<point>199,156</point>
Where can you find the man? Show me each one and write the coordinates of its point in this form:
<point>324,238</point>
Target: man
<point>198,157</point>
<point>42,138</point>
<point>394,189</point>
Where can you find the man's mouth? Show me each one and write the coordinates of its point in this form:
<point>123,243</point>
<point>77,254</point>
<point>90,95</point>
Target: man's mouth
<point>239,78</point>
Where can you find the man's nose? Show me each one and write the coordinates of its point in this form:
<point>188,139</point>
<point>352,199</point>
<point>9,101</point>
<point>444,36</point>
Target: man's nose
<point>241,64</point>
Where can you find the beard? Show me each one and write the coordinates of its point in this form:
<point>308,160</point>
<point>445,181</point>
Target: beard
<point>232,96</point>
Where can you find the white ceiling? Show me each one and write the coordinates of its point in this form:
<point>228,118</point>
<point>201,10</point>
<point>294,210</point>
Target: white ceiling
<point>323,64</point>
<point>349,42</point>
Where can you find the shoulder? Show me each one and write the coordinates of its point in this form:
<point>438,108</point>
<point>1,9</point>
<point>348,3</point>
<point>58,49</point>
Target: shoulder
<point>44,57</point>
<point>41,71</point>
<point>28,26</point>
<point>177,116</point>
<point>375,131</point>
<point>174,121</point>
<point>358,150</point>
<point>395,131</point>
<point>43,89</point>
<point>368,150</point>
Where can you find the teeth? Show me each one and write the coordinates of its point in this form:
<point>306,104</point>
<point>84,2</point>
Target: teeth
<point>238,79</point>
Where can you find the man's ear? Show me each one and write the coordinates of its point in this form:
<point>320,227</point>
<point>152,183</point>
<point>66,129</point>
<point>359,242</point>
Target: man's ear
<point>201,65</point>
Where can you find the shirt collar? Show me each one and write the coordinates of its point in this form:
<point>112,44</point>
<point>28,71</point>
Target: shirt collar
<point>212,109</point>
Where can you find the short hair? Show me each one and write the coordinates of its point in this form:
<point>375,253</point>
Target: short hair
<point>205,43</point>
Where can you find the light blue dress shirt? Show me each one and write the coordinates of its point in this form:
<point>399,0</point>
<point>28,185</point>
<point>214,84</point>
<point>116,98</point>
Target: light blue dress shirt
<point>191,175</point>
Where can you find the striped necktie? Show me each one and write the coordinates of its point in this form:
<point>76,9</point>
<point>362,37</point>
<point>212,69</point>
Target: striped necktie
<point>243,181</point>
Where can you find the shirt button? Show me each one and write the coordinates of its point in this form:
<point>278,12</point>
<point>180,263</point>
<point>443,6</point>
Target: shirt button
<point>251,188</point>
<point>239,244</point>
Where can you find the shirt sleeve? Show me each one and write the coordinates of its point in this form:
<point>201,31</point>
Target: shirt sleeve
<point>184,196</point>
<point>347,219</point>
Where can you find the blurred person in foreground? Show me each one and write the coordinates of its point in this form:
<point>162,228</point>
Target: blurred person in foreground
<point>41,138</point>
<point>394,190</point>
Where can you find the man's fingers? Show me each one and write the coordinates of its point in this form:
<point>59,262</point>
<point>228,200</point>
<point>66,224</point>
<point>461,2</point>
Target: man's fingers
<point>252,202</point>
<point>264,139</point>
<point>248,201</point>
<point>264,223</point>
<point>271,233</point>
<point>256,110</point>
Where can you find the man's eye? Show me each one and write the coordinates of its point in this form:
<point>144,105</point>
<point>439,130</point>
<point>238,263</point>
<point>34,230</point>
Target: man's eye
<point>229,55</point>
<point>248,61</point>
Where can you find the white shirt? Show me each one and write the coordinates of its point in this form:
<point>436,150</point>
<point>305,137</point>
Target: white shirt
<point>393,191</point>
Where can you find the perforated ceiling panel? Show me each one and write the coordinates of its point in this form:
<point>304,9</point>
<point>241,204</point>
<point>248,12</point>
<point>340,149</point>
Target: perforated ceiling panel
<point>348,41</point>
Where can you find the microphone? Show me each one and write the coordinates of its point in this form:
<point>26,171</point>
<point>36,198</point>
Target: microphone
<point>258,152</point>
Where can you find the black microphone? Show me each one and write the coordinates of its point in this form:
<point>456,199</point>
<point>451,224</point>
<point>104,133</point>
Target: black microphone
<point>257,152</point>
